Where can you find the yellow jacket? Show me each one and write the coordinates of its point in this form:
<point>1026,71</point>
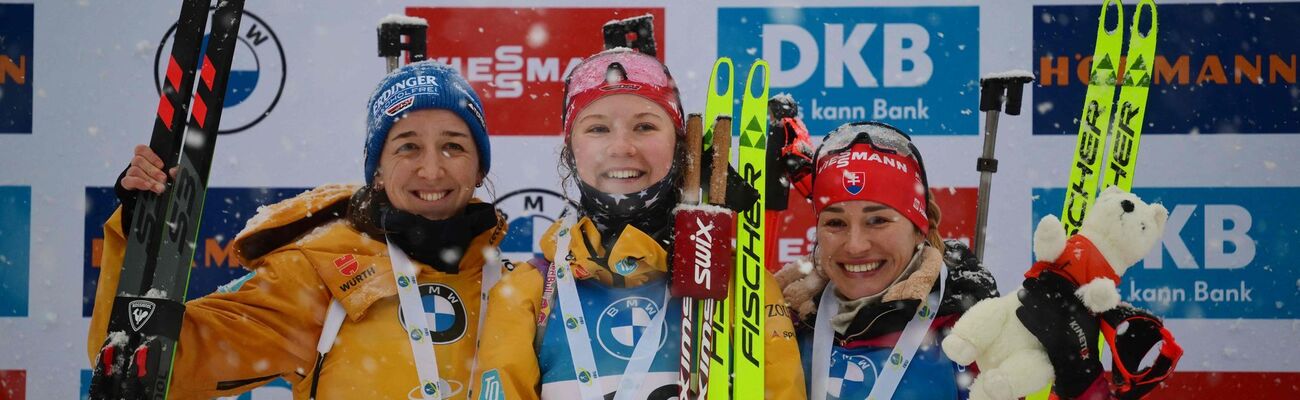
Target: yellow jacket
<point>528,360</point>
<point>269,326</point>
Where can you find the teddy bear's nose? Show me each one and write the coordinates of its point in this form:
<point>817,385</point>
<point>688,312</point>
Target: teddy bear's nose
<point>1126,205</point>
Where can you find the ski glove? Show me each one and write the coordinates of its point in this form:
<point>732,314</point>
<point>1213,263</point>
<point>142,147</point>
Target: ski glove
<point>1066,329</point>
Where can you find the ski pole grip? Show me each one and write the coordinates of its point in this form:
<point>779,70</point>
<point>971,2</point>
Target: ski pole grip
<point>991,94</point>
<point>694,139</point>
<point>721,157</point>
<point>1015,93</point>
<point>390,40</point>
<point>637,33</point>
<point>1006,87</point>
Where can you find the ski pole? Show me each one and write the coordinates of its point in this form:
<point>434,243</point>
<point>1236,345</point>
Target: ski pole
<point>701,254</point>
<point>995,91</point>
<point>391,30</point>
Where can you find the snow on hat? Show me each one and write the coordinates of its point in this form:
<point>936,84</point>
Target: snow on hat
<point>621,71</point>
<point>874,162</point>
<point>419,86</point>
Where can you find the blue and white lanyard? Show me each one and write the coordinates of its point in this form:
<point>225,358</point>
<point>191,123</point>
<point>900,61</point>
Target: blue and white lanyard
<point>575,324</point>
<point>899,358</point>
<point>417,326</point>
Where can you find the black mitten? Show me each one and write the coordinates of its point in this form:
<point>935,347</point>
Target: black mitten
<point>1065,327</point>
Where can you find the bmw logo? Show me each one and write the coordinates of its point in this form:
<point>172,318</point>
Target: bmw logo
<point>624,322</point>
<point>257,73</point>
<point>444,312</point>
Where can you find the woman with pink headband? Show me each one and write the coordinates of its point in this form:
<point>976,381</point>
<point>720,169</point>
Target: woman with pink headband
<point>882,287</point>
<point>594,319</point>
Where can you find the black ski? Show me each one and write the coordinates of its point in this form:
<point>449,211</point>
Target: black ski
<point>136,360</point>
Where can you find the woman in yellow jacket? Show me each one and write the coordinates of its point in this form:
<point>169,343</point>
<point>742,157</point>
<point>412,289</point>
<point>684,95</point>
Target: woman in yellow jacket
<point>624,134</point>
<point>338,270</point>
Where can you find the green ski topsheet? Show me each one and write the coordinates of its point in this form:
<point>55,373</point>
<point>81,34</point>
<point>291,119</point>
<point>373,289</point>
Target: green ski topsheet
<point>1094,121</point>
<point>1132,101</point>
<point>748,335</point>
<point>720,368</point>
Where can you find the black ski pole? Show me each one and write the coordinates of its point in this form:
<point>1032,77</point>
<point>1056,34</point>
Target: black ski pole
<point>995,91</point>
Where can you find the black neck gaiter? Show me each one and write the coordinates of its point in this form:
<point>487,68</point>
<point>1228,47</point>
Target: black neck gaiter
<point>440,244</point>
<point>649,210</point>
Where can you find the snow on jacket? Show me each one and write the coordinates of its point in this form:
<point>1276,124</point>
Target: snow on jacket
<point>526,351</point>
<point>861,353</point>
<point>266,325</point>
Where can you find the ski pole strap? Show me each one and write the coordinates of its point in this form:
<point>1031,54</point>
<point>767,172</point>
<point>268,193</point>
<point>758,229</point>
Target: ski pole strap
<point>147,316</point>
<point>1131,333</point>
<point>899,358</point>
<point>416,325</point>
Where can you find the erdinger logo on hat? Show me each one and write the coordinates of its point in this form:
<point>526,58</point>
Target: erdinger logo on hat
<point>854,181</point>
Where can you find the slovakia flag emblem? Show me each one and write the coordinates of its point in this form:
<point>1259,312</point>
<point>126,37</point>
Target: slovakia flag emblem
<point>854,181</point>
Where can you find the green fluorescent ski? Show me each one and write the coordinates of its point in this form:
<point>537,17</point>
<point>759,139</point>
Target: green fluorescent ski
<point>748,335</point>
<point>1122,158</point>
<point>1132,102</point>
<point>1085,171</point>
<point>720,104</point>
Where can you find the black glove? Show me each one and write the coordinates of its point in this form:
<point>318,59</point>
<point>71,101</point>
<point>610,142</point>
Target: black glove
<point>741,196</point>
<point>1065,327</point>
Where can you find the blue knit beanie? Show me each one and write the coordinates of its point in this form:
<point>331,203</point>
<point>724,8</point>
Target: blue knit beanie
<point>419,86</point>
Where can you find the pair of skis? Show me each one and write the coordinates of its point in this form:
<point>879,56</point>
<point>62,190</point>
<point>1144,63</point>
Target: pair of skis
<point>136,359</point>
<point>1096,127</point>
<point>1107,123</point>
<point>735,368</point>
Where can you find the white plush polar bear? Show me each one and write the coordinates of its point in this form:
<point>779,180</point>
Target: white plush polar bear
<point>1118,231</point>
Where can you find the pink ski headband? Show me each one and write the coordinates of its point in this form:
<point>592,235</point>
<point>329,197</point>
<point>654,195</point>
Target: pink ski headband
<point>620,71</point>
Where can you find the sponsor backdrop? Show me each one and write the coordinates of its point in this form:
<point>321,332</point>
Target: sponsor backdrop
<point>79,84</point>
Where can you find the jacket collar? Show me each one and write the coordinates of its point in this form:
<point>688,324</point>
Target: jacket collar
<point>633,259</point>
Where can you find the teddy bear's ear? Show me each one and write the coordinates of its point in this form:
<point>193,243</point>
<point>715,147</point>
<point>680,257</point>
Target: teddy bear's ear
<point>1111,191</point>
